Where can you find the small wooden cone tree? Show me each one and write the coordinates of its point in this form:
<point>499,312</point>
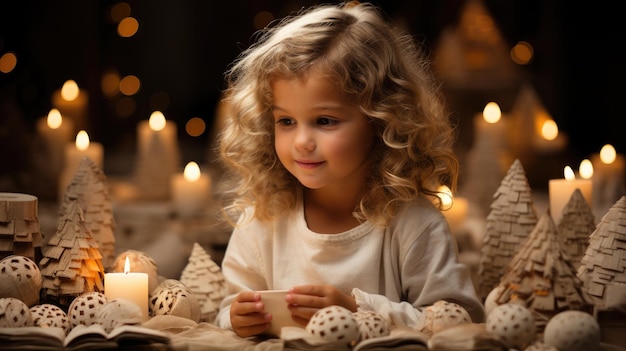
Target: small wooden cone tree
<point>577,224</point>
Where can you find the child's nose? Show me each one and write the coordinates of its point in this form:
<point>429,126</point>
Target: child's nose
<point>304,139</point>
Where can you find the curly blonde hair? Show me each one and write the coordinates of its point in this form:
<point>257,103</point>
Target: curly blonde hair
<point>379,68</point>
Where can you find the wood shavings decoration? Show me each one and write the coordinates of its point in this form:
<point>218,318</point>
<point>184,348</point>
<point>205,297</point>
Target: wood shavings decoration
<point>511,219</point>
<point>603,267</point>
<point>20,233</point>
<point>205,280</point>
<point>89,188</point>
<point>542,277</point>
<point>72,262</point>
<point>577,224</point>
<point>20,278</point>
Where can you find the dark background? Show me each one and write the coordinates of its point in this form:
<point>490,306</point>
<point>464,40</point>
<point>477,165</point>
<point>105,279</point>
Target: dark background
<point>183,47</point>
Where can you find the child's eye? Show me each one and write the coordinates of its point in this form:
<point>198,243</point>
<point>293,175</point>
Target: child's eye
<point>326,121</point>
<point>285,121</point>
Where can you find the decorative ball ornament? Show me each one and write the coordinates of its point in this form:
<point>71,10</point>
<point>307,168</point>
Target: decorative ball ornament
<point>20,278</point>
<point>172,297</point>
<point>14,313</point>
<point>443,314</point>
<point>85,307</point>
<point>140,262</point>
<point>490,300</point>
<point>335,324</point>
<point>49,315</point>
<point>118,312</point>
<point>573,331</point>
<point>371,325</point>
<point>514,324</point>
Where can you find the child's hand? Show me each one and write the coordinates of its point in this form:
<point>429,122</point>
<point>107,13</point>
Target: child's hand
<point>247,316</point>
<point>305,300</point>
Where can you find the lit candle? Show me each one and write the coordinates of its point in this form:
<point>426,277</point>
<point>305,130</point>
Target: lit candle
<point>190,190</point>
<point>608,179</point>
<point>55,132</point>
<point>560,191</point>
<point>454,208</point>
<point>490,127</point>
<point>128,285</point>
<point>548,138</point>
<point>158,156</point>
<point>72,102</point>
<point>74,153</point>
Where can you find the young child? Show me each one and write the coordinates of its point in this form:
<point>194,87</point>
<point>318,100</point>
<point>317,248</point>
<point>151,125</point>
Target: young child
<point>338,141</point>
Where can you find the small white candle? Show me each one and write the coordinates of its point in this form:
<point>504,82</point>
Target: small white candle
<point>608,179</point>
<point>55,132</point>
<point>128,285</point>
<point>190,190</point>
<point>560,191</point>
<point>74,153</point>
<point>490,127</point>
<point>549,139</point>
<point>454,208</point>
<point>72,102</point>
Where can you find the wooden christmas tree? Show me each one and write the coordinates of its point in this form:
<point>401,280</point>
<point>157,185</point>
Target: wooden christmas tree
<point>72,262</point>
<point>205,280</point>
<point>603,267</point>
<point>89,188</point>
<point>577,224</point>
<point>511,219</point>
<point>542,277</point>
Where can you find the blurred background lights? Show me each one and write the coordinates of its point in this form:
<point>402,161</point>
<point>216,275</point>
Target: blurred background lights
<point>195,126</point>
<point>127,27</point>
<point>262,19</point>
<point>492,112</point>
<point>8,62</point>
<point>549,130</point>
<point>130,85</point>
<point>110,83</point>
<point>608,154</point>
<point>119,11</point>
<point>585,169</point>
<point>522,53</point>
<point>70,90</point>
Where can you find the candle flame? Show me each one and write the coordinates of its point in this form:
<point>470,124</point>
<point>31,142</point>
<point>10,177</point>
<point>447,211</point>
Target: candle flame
<point>82,140</point>
<point>54,119</point>
<point>569,173</point>
<point>192,172</point>
<point>445,195</point>
<point>492,113</point>
<point>608,154</point>
<point>70,90</point>
<point>157,121</point>
<point>127,266</point>
<point>549,130</point>
<point>585,169</point>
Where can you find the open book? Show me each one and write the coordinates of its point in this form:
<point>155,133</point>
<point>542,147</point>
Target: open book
<point>81,337</point>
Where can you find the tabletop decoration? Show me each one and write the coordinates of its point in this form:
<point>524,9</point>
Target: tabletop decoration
<point>371,324</point>
<point>573,331</point>
<point>608,178</point>
<point>205,280</point>
<point>140,262</point>
<point>514,324</point>
<point>129,286</point>
<point>90,189</point>
<point>541,276</point>
<point>603,272</point>
<point>442,315</point>
<point>468,336</point>
<point>118,312</point>
<point>20,278</point>
<point>577,224</point>
<point>512,218</point>
<point>334,324</point>
<point>72,262</point>
<point>72,102</point>
<point>48,315</point>
<point>73,156</point>
<point>14,313</point>
<point>561,190</point>
<point>85,307</point>
<point>20,232</point>
<point>172,297</point>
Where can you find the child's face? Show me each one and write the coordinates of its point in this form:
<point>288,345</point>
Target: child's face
<point>321,139</point>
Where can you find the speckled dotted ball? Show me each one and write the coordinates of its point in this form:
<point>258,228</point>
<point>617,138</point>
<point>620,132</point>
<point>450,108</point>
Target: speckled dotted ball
<point>49,315</point>
<point>84,308</point>
<point>573,331</point>
<point>514,323</point>
<point>334,324</point>
<point>371,324</point>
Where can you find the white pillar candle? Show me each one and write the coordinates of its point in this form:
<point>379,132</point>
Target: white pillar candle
<point>560,191</point>
<point>608,179</point>
<point>74,153</point>
<point>130,286</point>
<point>72,102</point>
<point>190,190</point>
<point>55,132</point>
